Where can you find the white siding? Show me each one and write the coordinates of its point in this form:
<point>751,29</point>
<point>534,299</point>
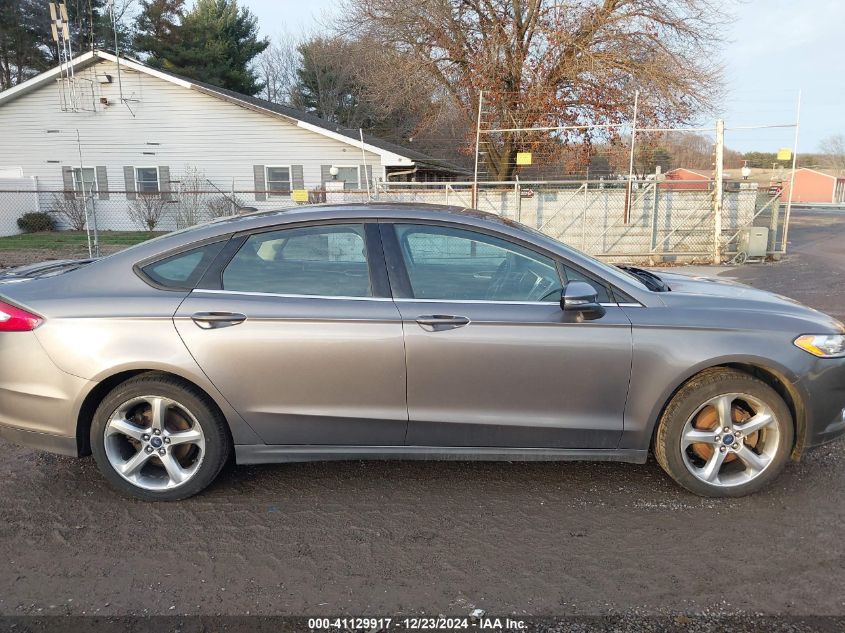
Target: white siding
<point>15,202</point>
<point>164,125</point>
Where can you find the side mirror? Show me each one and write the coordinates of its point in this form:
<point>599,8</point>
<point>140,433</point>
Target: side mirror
<point>580,298</point>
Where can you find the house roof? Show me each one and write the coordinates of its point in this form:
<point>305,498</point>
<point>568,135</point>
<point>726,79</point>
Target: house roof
<point>393,155</point>
<point>689,171</point>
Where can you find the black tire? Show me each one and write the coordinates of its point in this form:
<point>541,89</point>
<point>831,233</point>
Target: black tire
<point>701,388</point>
<point>218,443</point>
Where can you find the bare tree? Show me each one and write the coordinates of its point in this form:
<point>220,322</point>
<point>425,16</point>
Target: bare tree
<point>147,210</point>
<point>224,205</point>
<point>833,148</point>
<point>72,210</point>
<point>554,62</point>
<point>191,198</point>
<point>277,69</point>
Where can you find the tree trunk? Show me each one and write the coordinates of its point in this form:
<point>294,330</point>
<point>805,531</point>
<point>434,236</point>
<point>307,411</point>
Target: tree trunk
<point>501,161</point>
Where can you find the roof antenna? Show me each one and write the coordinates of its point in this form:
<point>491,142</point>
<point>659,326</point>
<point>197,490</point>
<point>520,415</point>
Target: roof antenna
<point>110,6</point>
<point>60,28</point>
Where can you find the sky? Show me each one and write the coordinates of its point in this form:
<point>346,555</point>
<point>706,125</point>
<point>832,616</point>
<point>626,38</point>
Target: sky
<point>774,48</point>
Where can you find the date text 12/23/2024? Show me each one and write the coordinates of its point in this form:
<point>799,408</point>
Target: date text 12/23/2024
<point>421,623</point>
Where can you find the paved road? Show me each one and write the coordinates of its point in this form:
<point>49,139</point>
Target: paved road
<point>369,538</point>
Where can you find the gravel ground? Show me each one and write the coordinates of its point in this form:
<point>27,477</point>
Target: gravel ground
<point>392,538</point>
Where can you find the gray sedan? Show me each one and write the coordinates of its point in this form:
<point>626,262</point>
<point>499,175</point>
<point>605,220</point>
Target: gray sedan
<point>384,331</point>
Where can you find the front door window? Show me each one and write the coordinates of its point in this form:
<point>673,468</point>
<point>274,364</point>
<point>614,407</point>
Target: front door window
<point>451,264</point>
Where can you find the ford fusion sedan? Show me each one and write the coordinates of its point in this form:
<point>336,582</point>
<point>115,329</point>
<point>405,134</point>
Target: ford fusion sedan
<point>384,331</point>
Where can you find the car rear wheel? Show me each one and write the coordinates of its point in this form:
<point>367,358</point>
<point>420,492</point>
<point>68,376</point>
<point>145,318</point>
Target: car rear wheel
<point>155,437</point>
<point>724,434</point>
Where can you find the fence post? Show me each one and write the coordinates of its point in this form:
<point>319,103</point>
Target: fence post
<point>654,222</point>
<point>584,219</point>
<point>718,197</point>
<point>95,227</point>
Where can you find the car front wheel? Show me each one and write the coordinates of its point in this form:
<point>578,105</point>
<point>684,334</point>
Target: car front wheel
<point>724,434</point>
<point>155,437</point>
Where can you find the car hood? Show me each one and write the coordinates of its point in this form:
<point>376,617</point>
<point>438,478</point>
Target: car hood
<point>696,285</point>
<point>705,293</point>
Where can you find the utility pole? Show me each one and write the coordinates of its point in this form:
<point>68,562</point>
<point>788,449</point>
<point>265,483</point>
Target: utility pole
<point>718,198</point>
<point>474,203</point>
<point>628,198</point>
<point>792,175</point>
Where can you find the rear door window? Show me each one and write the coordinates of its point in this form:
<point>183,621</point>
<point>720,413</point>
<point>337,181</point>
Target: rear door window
<point>326,260</point>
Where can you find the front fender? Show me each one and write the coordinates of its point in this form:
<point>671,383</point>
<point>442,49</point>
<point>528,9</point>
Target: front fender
<point>666,358</point>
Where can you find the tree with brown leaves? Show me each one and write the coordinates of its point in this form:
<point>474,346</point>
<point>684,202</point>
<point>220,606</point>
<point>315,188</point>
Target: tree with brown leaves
<point>545,63</point>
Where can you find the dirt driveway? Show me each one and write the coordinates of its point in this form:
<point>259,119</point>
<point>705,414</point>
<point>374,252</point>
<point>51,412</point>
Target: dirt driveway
<point>390,538</point>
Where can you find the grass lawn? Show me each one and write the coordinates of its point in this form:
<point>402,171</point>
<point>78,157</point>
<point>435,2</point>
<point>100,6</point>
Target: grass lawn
<point>59,240</point>
<point>29,248</point>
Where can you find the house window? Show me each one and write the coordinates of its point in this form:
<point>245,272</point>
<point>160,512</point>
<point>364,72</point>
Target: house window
<point>278,180</point>
<point>349,176</point>
<point>84,180</point>
<point>146,180</point>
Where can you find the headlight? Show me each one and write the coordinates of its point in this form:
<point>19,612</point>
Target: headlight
<point>822,345</point>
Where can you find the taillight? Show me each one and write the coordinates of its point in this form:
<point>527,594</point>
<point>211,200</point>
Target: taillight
<point>14,319</point>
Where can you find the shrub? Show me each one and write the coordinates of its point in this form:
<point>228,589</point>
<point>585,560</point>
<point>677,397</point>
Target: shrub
<point>147,210</point>
<point>73,210</point>
<point>224,205</point>
<point>35,222</point>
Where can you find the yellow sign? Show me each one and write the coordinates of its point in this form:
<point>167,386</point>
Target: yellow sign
<point>785,154</point>
<point>523,158</point>
<point>299,195</point>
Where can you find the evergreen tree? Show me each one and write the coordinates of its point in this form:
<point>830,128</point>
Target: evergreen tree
<point>22,53</point>
<point>157,28</point>
<point>215,43</point>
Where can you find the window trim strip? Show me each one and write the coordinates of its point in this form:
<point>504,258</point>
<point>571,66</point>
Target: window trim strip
<point>347,298</point>
<point>287,296</point>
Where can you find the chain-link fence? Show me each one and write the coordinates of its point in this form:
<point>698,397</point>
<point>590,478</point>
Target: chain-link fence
<point>654,220</point>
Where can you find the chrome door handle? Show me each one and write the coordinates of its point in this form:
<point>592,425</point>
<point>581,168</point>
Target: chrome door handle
<point>435,322</point>
<point>208,320</point>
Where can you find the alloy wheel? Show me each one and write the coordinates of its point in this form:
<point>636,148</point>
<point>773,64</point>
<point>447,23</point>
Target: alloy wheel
<point>730,440</point>
<point>154,442</point>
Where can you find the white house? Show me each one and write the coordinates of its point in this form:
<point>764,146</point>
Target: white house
<point>122,128</point>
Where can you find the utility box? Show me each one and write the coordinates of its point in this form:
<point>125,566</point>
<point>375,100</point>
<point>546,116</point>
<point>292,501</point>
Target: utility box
<point>754,241</point>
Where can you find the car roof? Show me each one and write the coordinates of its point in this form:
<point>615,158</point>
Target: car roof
<point>326,212</point>
<point>363,210</point>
